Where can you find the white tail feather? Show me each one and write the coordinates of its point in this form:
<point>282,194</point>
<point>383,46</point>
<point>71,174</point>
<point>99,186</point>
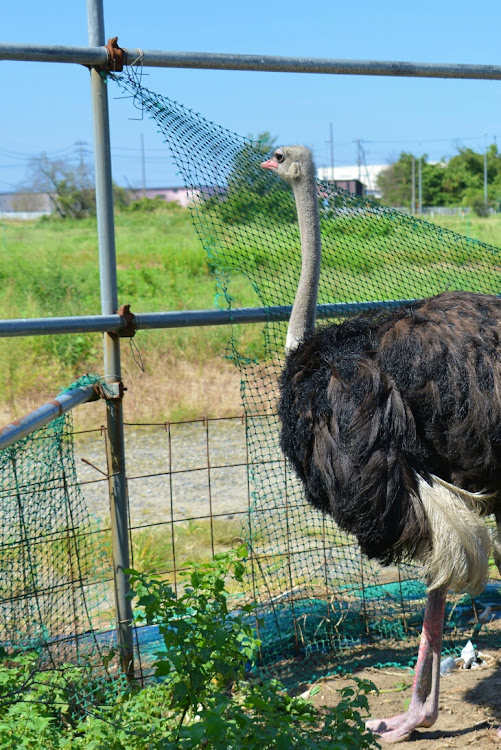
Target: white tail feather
<point>476,498</point>
<point>459,556</point>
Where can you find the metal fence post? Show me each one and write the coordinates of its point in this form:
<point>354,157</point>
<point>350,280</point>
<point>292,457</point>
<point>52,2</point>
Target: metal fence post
<point>111,344</point>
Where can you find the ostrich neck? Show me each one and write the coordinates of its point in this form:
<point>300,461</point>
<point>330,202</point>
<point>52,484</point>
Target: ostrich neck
<point>302,320</point>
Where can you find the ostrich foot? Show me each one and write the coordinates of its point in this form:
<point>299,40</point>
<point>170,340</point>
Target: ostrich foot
<point>423,709</point>
<point>400,728</point>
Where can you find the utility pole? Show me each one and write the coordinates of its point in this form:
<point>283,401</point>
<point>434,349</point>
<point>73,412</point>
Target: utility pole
<point>331,141</point>
<point>413,187</point>
<point>359,158</point>
<point>80,147</point>
<point>362,161</point>
<point>420,184</point>
<point>485,173</point>
<point>143,166</point>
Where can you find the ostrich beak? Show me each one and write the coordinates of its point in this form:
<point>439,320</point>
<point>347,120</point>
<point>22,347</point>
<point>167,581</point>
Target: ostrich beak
<point>270,164</point>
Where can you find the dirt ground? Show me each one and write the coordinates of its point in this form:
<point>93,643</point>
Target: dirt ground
<point>470,700</point>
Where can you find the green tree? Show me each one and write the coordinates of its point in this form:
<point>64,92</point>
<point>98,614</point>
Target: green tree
<point>464,179</point>
<point>432,177</point>
<point>458,182</point>
<point>395,182</point>
<point>70,186</point>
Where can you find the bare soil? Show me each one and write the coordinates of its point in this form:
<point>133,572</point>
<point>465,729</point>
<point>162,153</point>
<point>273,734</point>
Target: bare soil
<point>470,700</point>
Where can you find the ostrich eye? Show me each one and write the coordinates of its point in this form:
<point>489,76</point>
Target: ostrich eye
<point>279,156</point>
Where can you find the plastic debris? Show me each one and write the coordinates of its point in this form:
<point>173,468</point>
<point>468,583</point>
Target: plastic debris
<point>469,657</point>
<point>447,665</point>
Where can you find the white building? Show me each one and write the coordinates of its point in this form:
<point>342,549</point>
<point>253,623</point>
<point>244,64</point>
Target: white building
<point>24,205</point>
<point>367,174</point>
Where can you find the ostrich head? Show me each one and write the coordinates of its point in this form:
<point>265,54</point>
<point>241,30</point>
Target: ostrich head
<point>294,164</point>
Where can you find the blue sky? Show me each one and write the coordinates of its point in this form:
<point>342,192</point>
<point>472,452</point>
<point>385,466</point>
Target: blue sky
<point>46,107</point>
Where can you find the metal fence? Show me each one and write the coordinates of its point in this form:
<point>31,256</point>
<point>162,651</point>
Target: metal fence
<point>188,497</point>
<point>181,476</point>
<point>101,57</point>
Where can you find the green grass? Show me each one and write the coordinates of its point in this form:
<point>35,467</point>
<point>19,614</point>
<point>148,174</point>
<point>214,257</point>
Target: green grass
<point>154,548</point>
<point>193,541</point>
<point>477,228</point>
<point>51,268</point>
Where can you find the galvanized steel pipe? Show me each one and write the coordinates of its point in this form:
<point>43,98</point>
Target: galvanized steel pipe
<point>119,516</point>
<point>45,414</point>
<point>53,53</point>
<point>279,64</point>
<point>97,55</point>
<point>180,318</point>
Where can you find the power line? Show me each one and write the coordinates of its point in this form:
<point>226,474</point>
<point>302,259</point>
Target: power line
<point>428,140</point>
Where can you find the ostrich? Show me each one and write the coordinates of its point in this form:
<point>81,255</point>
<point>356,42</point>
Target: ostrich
<point>392,421</point>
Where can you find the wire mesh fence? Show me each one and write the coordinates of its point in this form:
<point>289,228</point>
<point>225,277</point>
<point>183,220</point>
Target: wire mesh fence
<point>184,480</point>
<point>196,487</point>
<point>192,493</point>
<point>188,499</point>
<point>314,589</point>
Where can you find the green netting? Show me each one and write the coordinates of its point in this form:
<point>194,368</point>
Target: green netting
<point>53,556</point>
<point>315,591</point>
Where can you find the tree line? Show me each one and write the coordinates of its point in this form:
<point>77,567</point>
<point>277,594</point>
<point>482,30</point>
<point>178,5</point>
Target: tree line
<point>69,186</point>
<point>460,181</point>
<point>463,180</point>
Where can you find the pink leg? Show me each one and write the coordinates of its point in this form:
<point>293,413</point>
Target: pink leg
<point>423,709</point>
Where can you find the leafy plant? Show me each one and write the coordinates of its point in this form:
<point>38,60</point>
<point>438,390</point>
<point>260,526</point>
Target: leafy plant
<point>207,645</point>
<point>208,648</point>
<point>203,697</point>
<point>42,708</point>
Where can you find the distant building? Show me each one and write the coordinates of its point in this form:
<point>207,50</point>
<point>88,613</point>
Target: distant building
<point>352,186</point>
<point>366,175</point>
<point>172,194</point>
<point>176,194</point>
<point>24,205</point>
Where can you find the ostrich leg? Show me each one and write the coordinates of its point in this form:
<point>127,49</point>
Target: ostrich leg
<point>423,709</point>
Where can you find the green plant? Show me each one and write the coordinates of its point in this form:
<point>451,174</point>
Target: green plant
<point>208,646</point>
<point>204,697</point>
<point>206,643</point>
<point>146,205</point>
<point>479,205</point>
<point>42,708</point>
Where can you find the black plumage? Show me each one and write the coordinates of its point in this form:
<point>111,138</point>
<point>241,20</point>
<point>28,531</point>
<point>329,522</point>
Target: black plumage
<point>369,405</point>
<point>392,421</point>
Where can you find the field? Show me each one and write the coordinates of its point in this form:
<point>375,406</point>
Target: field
<point>50,268</point>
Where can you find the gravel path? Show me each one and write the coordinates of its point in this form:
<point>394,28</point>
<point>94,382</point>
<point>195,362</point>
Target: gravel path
<point>185,471</point>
